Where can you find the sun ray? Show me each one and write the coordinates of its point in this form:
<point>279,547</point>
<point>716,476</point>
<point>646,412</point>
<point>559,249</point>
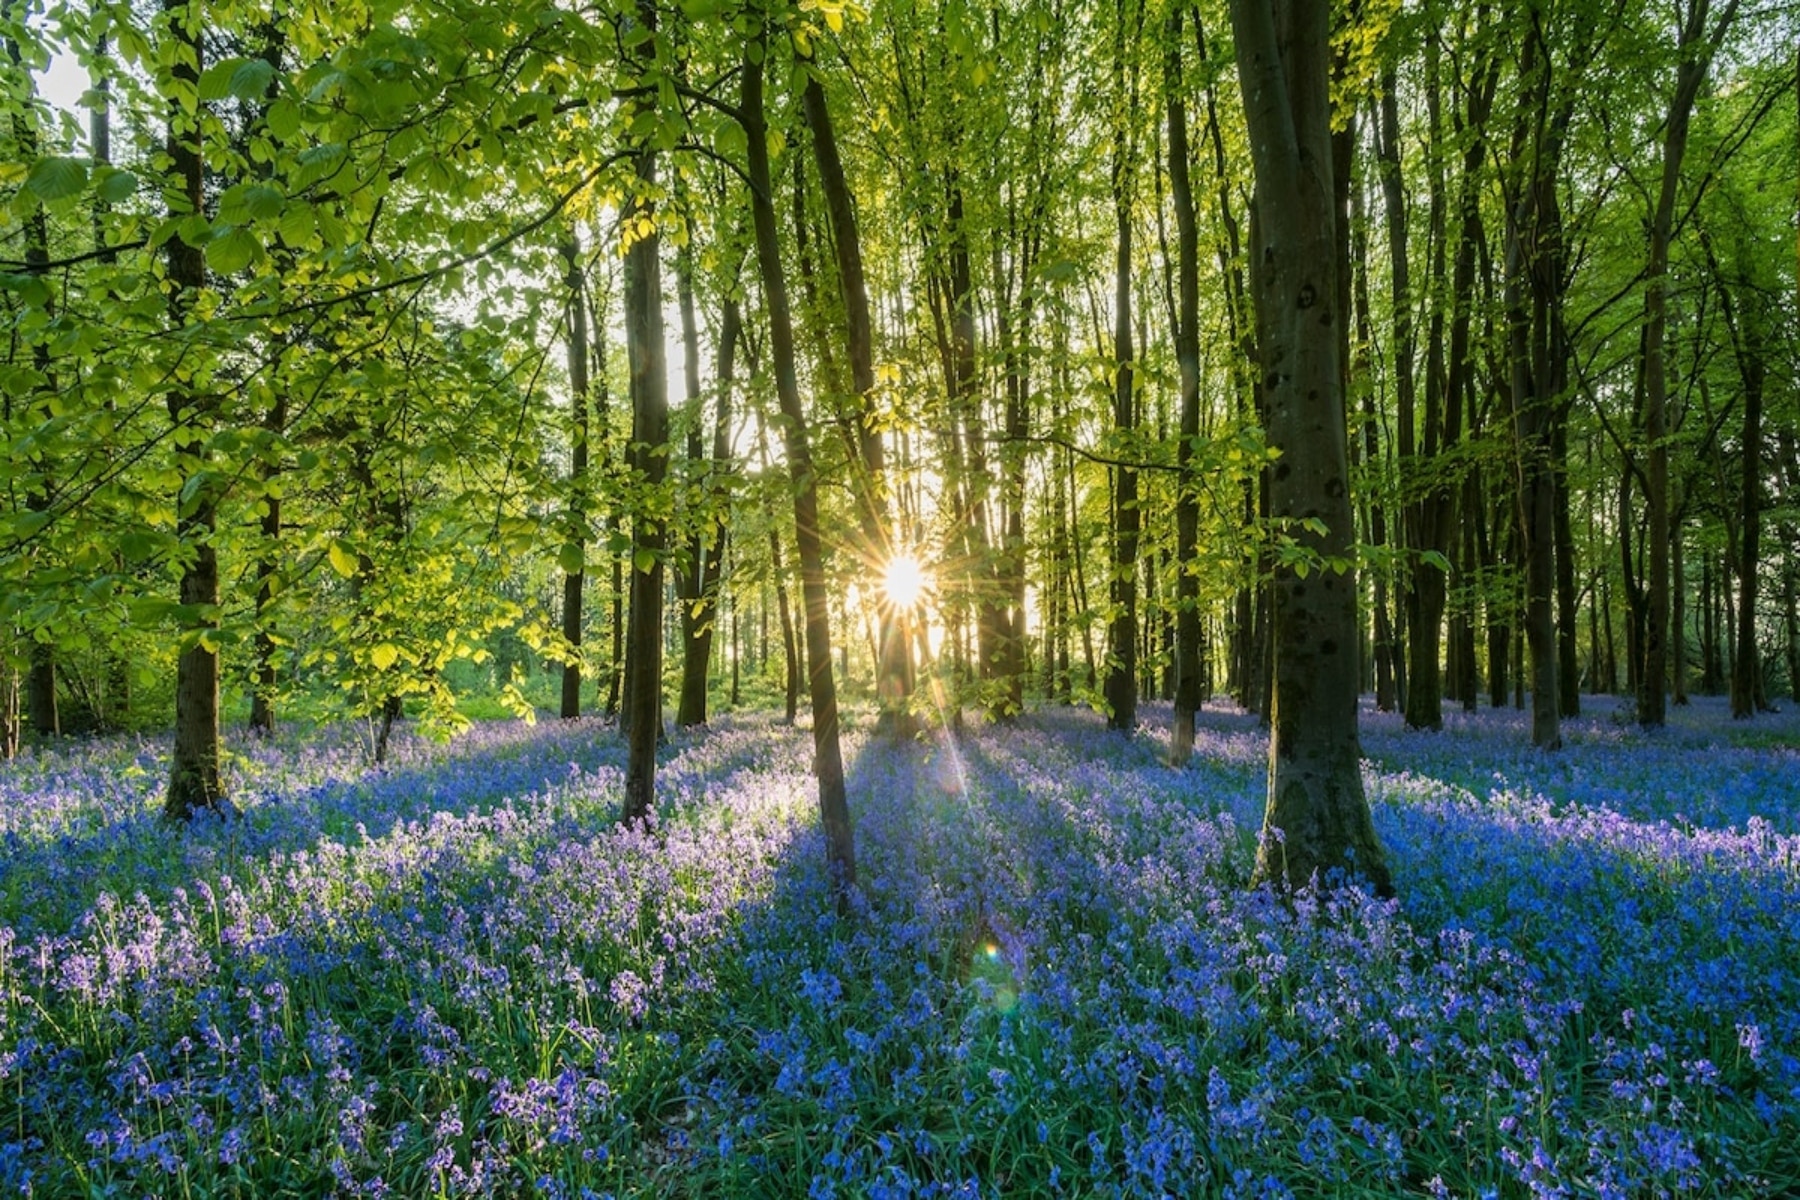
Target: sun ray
<point>903,581</point>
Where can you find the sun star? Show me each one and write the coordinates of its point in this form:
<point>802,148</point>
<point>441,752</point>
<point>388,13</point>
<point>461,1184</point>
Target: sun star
<point>903,581</point>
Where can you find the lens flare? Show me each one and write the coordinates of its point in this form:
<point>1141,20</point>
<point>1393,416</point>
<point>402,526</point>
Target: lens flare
<point>903,581</point>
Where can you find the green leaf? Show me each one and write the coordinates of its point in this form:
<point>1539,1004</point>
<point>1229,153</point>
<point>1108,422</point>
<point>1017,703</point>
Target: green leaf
<point>249,202</point>
<point>317,162</point>
<point>215,81</point>
<point>343,559</point>
<point>570,559</point>
<point>115,186</point>
<point>149,612</point>
<point>297,224</point>
<point>250,81</point>
<point>32,291</point>
<point>263,201</point>
<point>643,560</point>
<point>283,119</point>
<point>232,253</point>
<point>56,178</point>
<point>384,656</point>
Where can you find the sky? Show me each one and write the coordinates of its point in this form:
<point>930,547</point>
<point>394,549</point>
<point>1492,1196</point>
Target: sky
<point>63,82</point>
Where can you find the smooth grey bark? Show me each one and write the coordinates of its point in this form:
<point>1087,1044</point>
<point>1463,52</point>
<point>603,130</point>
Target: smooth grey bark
<point>40,676</point>
<point>700,607</point>
<point>1317,818</point>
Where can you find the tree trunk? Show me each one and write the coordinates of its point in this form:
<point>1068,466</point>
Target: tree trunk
<point>1425,590</point>
<point>1121,642</point>
<point>194,784</point>
<point>790,645</point>
<point>1692,62</point>
<point>1678,645</point>
<point>1791,613</point>
<point>1533,240</point>
<point>1317,819</point>
<point>40,678</point>
<point>1189,691</point>
<point>893,659</point>
<point>828,763</point>
<point>1753,370</point>
<point>9,709</point>
<point>1568,669</point>
<point>1384,645</point>
<point>576,534</point>
<point>645,350</point>
<point>262,700</point>
<point>700,611</point>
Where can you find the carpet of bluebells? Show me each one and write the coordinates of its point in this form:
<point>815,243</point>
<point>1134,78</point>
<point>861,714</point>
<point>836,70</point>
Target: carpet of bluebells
<point>456,975</point>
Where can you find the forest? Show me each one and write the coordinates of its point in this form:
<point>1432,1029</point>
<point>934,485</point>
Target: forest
<point>920,597</point>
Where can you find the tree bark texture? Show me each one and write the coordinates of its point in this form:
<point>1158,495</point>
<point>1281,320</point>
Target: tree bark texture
<point>194,784</point>
<point>1317,818</point>
<point>649,436</point>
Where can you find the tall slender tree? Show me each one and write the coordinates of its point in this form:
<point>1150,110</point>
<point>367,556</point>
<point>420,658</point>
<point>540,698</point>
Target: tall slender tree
<point>1122,629</point>
<point>194,782</point>
<point>1189,687</point>
<point>575,536</point>
<point>828,762</point>
<point>1695,47</point>
<point>642,713</point>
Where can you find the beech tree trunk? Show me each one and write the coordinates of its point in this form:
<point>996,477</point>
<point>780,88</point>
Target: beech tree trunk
<point>1752,369</point>
<point>1694,52</point>
<point>1533,271</point>
<point>1121,642</point>
<point>1189,689</point>
<point>40,677</point>
<point>575,536</point>
<point>1317,819</point>
<point>700,611</point>
<point>1425,583</point>
<point>262,700</point>
<point>893,658</point>
<point>645,350</point>
<point>194,784</point>
<point>828,763</point>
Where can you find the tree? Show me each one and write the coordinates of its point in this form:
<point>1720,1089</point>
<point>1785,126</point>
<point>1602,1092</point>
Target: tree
<point>642,238</point>
<point>574,551</point>
<point>699,582</point>
<point>893,669</point>
<point>828,762</point>
<point>1188,681</point>
<point>1317,819</point>
<point>1694,50</point>
<point>194,783</point>
<point>1122,629</point>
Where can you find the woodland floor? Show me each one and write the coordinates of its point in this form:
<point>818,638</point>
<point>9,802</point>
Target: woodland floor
<point>457,976</point>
